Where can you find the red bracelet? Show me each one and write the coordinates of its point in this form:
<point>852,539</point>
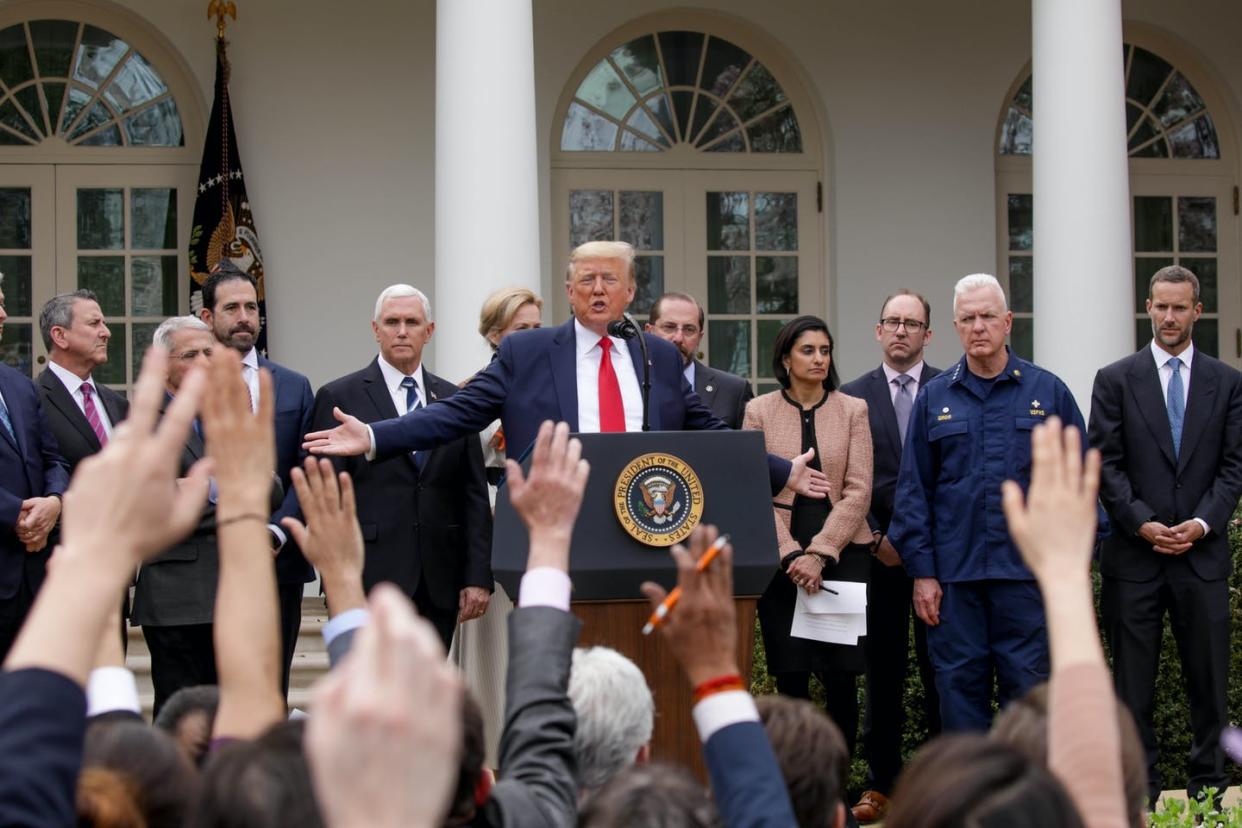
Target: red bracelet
<point>721,684</point>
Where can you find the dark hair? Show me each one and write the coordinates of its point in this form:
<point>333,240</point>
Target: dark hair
<point>1023,724</point>
<point>58,312</point>
<point>133,774</point>
<point>685,297</point>
<point>971,779</point>
<point>188,701</point>
<point>784,343</point>
<point>263,783</point>
<point>905,292</point>
<point>811,753</point>
<point>473,752</point>
<point>223,272</point>
<point>657,795</point>
<point>1175,274</point>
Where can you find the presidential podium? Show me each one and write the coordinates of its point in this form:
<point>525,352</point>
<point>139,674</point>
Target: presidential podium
<point>646,491</point>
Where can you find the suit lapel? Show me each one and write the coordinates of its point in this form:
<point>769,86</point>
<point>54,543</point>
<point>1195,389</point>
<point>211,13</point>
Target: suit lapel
<point>114,405</point>
<point>58,395</point>
<point>377,392</point>
<point>879,398</point>
<point>10,397</point>
<point>1198,407</point>
<point>564,358</point>
<point>1145,386</point>
<point>702,376</point>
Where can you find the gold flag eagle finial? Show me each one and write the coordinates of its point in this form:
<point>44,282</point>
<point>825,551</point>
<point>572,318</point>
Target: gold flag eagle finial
<point>220,9</point>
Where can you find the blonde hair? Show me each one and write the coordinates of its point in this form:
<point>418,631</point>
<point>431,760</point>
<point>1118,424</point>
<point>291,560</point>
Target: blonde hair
<point>499,309</point>
<point>602,250</point>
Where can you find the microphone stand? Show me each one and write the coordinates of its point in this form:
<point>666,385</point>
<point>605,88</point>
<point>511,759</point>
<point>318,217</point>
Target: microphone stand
<point>627,328</point>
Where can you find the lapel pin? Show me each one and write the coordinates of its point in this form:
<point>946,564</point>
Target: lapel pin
<point>708,388</point>
<point>1034,403</point>
<point>944,410</point>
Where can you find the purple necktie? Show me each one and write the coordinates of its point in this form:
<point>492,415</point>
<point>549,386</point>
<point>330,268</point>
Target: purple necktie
<point>92,413</point>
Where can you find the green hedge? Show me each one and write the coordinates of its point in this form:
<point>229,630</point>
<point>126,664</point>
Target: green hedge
<point>1172,714</point>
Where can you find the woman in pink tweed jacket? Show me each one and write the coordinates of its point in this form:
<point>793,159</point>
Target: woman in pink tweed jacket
<point>817,540</point>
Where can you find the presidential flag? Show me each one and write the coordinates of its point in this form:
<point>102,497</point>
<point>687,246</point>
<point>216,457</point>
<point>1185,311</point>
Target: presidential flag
<point>223,223</point>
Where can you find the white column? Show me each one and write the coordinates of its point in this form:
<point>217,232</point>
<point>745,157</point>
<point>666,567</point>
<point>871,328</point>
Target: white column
<point>487,196</point>
<point>1083,283</point>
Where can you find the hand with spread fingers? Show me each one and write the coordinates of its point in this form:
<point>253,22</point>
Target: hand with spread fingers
<point>390,713</point>
<point>348,439</point>
<point>701,630</point>
<point>241,444</point>
<point>331,538</point>
<point>547,500</point>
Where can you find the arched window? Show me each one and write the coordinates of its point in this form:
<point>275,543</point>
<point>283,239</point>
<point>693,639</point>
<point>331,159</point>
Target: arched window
<point>693,138</point>
<point>1181,188</point>
<point>680,87</point>
<point>83,84</point>
<point>100,130</point>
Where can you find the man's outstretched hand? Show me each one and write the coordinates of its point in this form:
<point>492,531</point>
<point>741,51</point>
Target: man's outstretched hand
<point>348,439</point>
<point>805,480</point>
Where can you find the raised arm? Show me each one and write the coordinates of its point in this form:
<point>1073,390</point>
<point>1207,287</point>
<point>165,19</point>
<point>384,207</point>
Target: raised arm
<point>247,629</point>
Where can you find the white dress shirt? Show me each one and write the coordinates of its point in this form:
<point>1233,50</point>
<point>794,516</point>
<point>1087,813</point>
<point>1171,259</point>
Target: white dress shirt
<point>1166,372</point>
<point>73,383</point>
<point>688,373</point>
<point>588,381</point>
<point>250,373</point>
<point>916,371</point>
<point>393,379</point>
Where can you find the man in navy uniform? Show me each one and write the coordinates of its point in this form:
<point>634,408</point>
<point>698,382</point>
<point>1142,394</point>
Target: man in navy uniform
<point>970,430</point>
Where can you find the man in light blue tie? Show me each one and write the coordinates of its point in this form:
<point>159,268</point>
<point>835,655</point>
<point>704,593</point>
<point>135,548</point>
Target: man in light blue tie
<point>426,518</point>
<point>1168,423</point>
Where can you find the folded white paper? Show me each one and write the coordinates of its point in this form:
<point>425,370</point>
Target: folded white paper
<point>829,627</point>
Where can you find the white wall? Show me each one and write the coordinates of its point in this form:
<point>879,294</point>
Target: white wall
<point>334,107</point>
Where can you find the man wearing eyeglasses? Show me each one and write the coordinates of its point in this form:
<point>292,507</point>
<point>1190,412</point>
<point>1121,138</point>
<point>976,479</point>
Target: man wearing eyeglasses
<point>903,330</point>
<point>678,318</point>
<point>970,430</point>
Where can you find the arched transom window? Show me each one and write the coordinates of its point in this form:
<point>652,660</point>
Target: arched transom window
<point>679,87</point>
<point>1165,116</point>
<point>82,84</point>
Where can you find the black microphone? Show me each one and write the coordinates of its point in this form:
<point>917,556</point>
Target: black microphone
<point>623,328</point>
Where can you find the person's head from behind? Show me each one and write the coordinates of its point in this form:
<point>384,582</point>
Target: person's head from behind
<point>971,779</point>
<point>654,795</point>
<point>473,782</point>
<point>188,716</point>
<point>615,713</point>
<point>133,775</point>
<point>812,756</point>
<point>1023,724</point>
<point>263,783</point>
<point>507,311</point>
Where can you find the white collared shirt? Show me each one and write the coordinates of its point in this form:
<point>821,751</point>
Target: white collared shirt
<point>588,381</point>
<point>250,373</point>
<point>73,383</point>
<point>688,373</point>
<point>393,379</point>
<point>1165,372</point>
<point>916,371</point>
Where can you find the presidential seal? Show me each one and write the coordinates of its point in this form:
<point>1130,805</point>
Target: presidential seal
<point>659,499</point>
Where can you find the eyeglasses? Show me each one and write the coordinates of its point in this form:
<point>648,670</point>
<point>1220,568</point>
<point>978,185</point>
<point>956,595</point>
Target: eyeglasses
<point>669,329</point>
<point>190,356</point>
<point>911,325</point>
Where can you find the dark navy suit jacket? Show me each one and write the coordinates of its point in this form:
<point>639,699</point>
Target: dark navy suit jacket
<point>30,466</point>
<point>294,406</point>
<point>535,378</point>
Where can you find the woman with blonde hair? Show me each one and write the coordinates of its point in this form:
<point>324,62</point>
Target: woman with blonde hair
<point>480,647</point>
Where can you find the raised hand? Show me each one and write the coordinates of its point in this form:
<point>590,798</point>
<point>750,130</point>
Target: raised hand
<point>390,713</point>
<point>331,538</point>
<point>548,499</point>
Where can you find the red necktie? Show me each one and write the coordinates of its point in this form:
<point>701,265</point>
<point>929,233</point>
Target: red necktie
<point>611,411</point>
<point>92,414</point>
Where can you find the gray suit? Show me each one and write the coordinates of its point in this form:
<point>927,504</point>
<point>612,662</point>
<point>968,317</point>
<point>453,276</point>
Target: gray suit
<point>724,393</point>
<point>538,773</point>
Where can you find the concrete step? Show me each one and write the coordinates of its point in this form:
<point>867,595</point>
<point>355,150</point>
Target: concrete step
<point>310,658</point>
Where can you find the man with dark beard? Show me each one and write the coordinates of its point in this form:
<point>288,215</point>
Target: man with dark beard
<point>231,310</point>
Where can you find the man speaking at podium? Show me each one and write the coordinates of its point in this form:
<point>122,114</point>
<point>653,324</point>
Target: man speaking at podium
<point>576,372</point>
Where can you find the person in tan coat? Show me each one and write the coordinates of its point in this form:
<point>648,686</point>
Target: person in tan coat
<point>817,540</point>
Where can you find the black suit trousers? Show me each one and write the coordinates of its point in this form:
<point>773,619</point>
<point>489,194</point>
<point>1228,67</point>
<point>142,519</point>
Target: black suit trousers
<point>889,614</point>
<point>181,656</point>
<point>1199,615</point>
